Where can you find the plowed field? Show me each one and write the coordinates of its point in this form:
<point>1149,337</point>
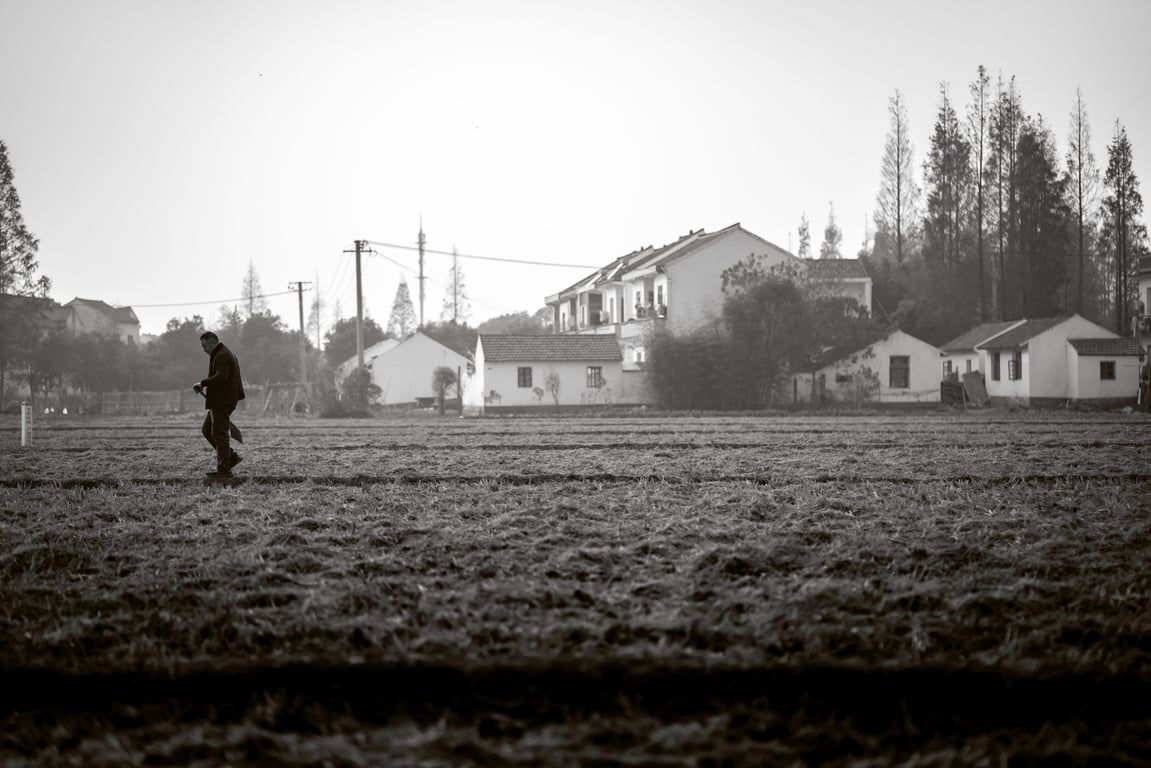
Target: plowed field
<point>929,589</point>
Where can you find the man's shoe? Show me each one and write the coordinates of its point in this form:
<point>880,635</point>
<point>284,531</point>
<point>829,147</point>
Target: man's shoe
<point>236,459</point>
<point>220,474</point>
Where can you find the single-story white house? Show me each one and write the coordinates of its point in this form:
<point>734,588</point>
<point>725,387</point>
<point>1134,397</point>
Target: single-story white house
<point>961,354</point>
<point>1103,370</point>
<point>404,372</point>
<point>1053,360</point>
<point>370,354</point>
<point>552,371</point>
<point>898,368</point>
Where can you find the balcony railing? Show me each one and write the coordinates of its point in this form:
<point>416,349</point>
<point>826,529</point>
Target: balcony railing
<point>651,310</point>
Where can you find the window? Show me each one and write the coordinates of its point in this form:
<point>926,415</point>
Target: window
<point>969,365</point>
<point>995,366</point>
<point>1107,370</point>
<point>900,372</point>
<point>524,377</point>
<point>594,377</point>
<point>947,367</point>
<point>843,378</point>
<point>1015,366</point>
<point>659,295</point>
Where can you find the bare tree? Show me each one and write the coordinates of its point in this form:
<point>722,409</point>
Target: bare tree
<point>456,307</point>
<point>1082,189</point>
<point>252,293</point>
<point>898,196</point>
<point>977,136</point>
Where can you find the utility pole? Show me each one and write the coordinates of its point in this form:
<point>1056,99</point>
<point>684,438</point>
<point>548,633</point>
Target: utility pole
<point>299,287</point>
<point>359,304</point>
<point>421,244</point>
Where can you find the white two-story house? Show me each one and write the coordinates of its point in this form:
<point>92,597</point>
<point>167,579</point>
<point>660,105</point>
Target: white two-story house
<point>678,287</point>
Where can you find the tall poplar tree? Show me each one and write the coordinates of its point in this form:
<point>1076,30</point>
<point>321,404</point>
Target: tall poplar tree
<point>1006,118</point>
<point>897,202</point>
<point>402,321</point>
<point>978,117</point>
<point>1082,199</point>
<point>456,306</point>
<point>1124,234</point>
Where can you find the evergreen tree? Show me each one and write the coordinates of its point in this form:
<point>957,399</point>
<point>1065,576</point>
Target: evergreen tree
<point>252,293</point>
<point>402,321</point>
<point>804,237</point>
<point>456,307</point>
<point>1082,200</point>
<point>948,177</point>
<point>18,268</point>
<point>1043,223</point>
<point>1124,235</point>
<point>832,237</point>
<point>340,340</point>
<point>898,199</point>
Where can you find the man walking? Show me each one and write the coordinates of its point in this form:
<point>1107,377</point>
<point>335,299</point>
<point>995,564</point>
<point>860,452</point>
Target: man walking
<point>222,390</point>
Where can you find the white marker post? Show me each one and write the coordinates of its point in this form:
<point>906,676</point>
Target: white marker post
<point>25,424</point>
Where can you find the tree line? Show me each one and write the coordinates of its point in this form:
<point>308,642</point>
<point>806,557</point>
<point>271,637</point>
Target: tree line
<point>996,224</point>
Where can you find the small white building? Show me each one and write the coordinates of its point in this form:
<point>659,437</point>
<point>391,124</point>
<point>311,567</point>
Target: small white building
<point>1103,370</point>
<point>404,372</point>
<point>961,354</point>
<point>1050,361</point>
<point>370,354</point>
<point>553,371</point>
<point>898,368</point>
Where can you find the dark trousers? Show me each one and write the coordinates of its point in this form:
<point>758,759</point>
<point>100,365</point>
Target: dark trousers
<point>215,431</point>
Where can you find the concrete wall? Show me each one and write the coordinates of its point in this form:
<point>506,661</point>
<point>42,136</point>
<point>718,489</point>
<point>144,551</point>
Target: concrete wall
<point>497,385</point>
<point>923,377</point>
<point>404,372</point>
<point>1087,385</point>
<point>693,284</point>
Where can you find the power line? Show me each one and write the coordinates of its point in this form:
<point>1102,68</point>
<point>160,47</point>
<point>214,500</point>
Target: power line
<point>217,301</point>
<point>485,258</point>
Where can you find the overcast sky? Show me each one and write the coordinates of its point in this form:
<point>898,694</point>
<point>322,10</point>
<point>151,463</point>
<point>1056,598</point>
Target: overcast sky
<point>159,146</point>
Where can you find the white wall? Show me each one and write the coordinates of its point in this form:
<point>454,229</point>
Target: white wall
<point>959,362</point>
<point>504,379</point>
<point>404,372</point>
<point>694,285</point>
<point>1046,369</point>
<point>1086,384</point>
<point>923,377</point>
<point>1006,387</point>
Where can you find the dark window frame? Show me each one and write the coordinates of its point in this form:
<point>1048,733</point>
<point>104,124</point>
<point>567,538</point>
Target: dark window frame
<point>903,367</point>
<point>1107,367</point>
<point>594,376</point>
<point>524,377</point>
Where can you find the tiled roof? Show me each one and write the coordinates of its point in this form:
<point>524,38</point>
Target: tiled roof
<point>836,269</point>
<point>1017,337</point>
<point>1107,347</point>
<point>40,312</point>
<point>507,348</point>
<point>118,314</point>
<point>968,341</point>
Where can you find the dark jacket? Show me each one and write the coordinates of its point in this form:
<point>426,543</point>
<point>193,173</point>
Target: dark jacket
<point>223,388</point>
